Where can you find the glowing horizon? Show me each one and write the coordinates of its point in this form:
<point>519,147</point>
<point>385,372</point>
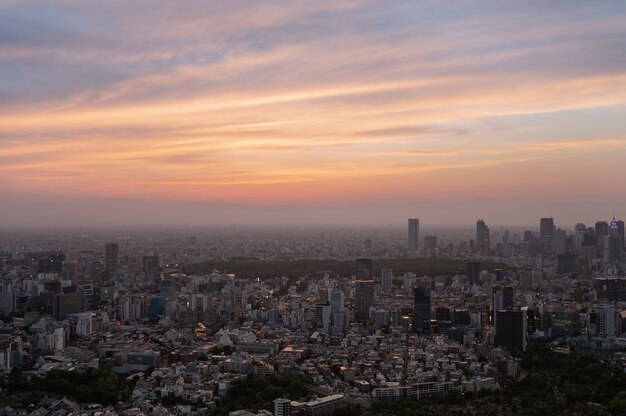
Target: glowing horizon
<point>335,106</point>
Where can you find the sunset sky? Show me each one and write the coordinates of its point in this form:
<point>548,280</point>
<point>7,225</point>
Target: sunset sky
<point>184,112</point>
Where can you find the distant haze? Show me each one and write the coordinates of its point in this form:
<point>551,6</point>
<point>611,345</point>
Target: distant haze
<point>342,112</point>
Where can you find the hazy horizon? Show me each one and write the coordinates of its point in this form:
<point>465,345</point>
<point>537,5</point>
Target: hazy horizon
<point>53,213</point>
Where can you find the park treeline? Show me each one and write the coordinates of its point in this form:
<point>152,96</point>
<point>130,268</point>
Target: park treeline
<point>96,385</point>
<point>265,269</point>
<point>258,392</point>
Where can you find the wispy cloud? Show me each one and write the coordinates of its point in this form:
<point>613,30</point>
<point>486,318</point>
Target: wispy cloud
<point>249,101</point>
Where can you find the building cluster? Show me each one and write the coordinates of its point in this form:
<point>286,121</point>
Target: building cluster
<point>361,338</point>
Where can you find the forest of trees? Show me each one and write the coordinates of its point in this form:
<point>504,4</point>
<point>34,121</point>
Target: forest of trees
<point>96,385</point>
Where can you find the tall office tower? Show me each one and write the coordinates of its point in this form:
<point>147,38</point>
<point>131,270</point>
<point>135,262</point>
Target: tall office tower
<point>559,240</point>
<point>110,260</point>
<point>150,267</point>
<point>511,329</point>
<point>483,245</point>
<point>386,280</point>
<point>414,234</point>
<point>364,269</point>
<point>620,232</point>
<point>503,297</point>
<point>546,227</point>
<point>546,235</point>
<point>323,315</point>
<point>602,230</point>
<point>430,244</point>
<point>579,237</point>
<point>528,236</point>
<point>611,249</point>
<point>70,270</point>
<point>421,310</point>
<point>337,310</point>
<point>336,300</point>
<point>65,304</point>
<point>7,298</point>
<point>473,273</point>
<point>605,322</point>
<point>363,299</point>
<point>613,228</point>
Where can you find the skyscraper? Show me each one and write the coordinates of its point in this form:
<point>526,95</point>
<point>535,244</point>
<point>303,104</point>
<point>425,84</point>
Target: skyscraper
<point>430,244</point>
<point>483,245</point>
<point>364,269</point>
<point>110,260</point>
<point>70,270</point>
<point>421,310</point>
<point>602,228</point>
<point>473,273</point>
<point>546,235</point>
<point>620,232</point>
<point>602,231</point>
<point>363,299</point>
<point>414,232</point>
<point>511,328</point>
<point>386,280</point>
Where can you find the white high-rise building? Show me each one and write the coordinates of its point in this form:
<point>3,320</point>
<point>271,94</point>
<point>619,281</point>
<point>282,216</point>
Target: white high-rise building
<point>282,407</point>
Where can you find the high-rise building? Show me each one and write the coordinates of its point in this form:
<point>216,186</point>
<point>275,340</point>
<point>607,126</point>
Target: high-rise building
<point>605,322</point>
<point>323,315</point>
<point>473,273</point>
<point>363,298</point>
<point>611,249</point>
<point>579,236</point>
<point>70,270</point>
<point>559,240</point>
<point>601,230</point>
<point>511,329</point>
<point>336,300</point>
<point>364,269</point>
<point>150,266</point>
<point>546,236</point>
<point>414,233</point>
<point>430,244</point>
<point>66,303</point>
<point>483,245</point>
<point>620,232</point>
<point>386,280</point>
<point>567,263</point>
<point>7,298</point>
<point>546,227</point>
<point>110,260</point>
<point>503,297</point>
<point>421,310</point>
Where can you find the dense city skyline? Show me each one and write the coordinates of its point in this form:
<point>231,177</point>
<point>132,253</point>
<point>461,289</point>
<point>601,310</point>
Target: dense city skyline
<point>350,112</point>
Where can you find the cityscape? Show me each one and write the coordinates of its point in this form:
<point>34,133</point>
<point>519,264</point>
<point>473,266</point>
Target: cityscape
<point>354,318</point>
<point>312,208</point>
